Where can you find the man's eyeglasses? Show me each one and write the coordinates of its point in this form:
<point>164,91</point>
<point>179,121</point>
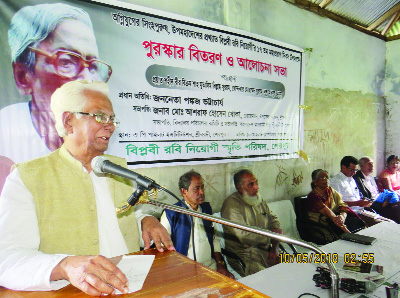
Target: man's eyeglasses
<point>101,118</point>
<point>70,64</point>
<point>352,170</point>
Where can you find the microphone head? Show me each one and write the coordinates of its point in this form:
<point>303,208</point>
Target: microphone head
<point>97,164</point>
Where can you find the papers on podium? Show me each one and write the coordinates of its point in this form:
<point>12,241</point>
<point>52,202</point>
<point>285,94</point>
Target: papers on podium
<point>136,269</point>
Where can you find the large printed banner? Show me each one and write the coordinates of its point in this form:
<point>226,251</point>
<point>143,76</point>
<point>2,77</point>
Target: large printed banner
<point>185,91</point>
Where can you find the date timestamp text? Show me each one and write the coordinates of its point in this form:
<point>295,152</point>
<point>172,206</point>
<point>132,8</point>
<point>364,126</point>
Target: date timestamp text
<point>316,258</point>
<point>309,258</point>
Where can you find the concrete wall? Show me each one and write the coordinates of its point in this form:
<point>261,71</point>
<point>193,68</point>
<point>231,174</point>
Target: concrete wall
<point>392,92</point>
<point>344,88</point>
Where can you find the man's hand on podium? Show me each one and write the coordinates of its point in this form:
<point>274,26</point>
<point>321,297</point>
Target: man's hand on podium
<point>222,269</point>
<point>152,229</point>
<point>221,266</point>
<point>94,275</point>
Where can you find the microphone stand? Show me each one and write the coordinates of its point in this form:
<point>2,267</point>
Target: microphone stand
<point>144,199</point>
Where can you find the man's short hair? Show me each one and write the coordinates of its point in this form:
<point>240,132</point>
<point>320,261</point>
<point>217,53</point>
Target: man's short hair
<point>347,160</point>
<point>70,98</point>
<point>237,178</point>
<point>363,160</point>
<point>33,24</point>
<point>186,179</point>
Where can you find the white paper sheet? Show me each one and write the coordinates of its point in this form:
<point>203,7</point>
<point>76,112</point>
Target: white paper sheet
<point>136,269</point>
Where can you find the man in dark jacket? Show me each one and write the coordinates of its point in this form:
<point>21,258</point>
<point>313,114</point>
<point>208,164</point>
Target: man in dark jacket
<point>365,182</point>
<point>193,236</point>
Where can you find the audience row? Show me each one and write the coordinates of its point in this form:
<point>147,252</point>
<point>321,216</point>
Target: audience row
<point>339,203</point>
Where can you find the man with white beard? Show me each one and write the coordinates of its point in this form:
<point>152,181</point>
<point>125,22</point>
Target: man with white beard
<point>246,207</point>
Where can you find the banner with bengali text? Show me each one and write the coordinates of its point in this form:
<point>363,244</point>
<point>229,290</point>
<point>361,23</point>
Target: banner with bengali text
<point>188,91</point>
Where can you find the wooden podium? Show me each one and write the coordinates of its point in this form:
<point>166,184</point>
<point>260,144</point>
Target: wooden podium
<point>171,275</point>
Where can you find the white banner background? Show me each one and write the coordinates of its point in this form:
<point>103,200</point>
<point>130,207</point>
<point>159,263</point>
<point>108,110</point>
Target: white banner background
<point>196,92</point>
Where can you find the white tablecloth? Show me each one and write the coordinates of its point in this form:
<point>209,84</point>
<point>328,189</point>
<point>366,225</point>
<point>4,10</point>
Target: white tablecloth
<point>288,280</point>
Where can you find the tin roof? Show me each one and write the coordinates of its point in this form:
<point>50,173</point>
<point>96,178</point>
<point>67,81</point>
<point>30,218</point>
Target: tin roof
<point>379,18</point>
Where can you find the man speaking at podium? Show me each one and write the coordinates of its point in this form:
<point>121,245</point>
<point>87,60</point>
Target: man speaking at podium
<point>57,217</point>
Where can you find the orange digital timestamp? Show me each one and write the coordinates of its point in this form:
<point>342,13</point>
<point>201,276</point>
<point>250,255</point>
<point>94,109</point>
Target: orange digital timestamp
<point>353,258</point>
<point>305,258</point>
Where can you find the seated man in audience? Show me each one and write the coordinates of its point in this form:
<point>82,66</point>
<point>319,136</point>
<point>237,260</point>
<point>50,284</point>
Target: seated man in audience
<point>365,182</point>
<point>344,183</point>
<point>246,207</point>
<point>57,217</point>
<point>369,189</point>
<point>192,236</point>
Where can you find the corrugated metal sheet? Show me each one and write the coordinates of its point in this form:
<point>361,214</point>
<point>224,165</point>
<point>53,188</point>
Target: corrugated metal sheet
<point>362,12</point>
<point>395,30</point>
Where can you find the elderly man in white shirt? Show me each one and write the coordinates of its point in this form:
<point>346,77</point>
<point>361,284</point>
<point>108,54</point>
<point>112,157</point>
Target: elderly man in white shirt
<point>344,183</point>
<point>365,182</point>
<point>57,217</point>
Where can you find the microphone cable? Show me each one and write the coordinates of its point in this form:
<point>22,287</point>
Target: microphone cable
<point>173,195</point>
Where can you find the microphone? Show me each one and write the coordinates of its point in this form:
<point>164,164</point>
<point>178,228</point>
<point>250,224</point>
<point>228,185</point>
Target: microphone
<point>101,165</point>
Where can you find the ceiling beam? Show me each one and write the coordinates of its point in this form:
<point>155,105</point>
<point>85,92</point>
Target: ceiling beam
<point>390,24</point>
<point>384,17</point>
<point>314,8</point>
<point>325,3</point>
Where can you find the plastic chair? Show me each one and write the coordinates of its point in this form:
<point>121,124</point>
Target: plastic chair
<point>220,233</point>
<point>284,248</point>
<point>287,218</point>
<point>309,230</point>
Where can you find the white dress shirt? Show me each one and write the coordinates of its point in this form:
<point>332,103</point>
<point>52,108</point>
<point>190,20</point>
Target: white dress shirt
<point>346,186</point>
<point>19,139</point>
<point>202,246</point>
<point>22,265</point>
<point>370,184</point>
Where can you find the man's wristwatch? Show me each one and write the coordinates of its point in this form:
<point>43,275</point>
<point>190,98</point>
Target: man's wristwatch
<point>221,262</point>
